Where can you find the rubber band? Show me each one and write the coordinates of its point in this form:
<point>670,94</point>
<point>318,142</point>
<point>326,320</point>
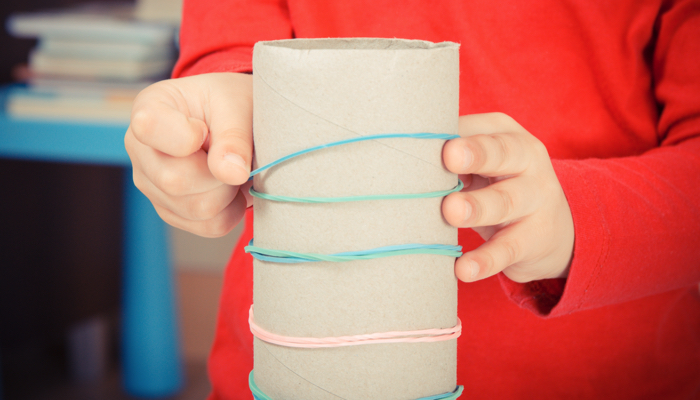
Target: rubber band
<point>291,257</point>
<point>316,200</point>
<point>417,336</point>
<point>443,136</point>
<point>259,395</point>
<point>440,193</point>
<point>420,336</point>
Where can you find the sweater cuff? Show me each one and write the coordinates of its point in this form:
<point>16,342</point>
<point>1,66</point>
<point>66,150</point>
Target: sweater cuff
<point>556,297</point>
<point>540,297</point>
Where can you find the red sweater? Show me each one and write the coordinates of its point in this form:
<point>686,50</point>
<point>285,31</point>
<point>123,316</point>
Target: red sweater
<point>613,90</point>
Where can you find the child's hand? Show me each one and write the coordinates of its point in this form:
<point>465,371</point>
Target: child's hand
<point>190,142</point>
<point>514,201</point>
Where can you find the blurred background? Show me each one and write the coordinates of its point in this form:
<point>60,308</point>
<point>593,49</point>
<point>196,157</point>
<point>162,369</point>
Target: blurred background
<point>62,225</point>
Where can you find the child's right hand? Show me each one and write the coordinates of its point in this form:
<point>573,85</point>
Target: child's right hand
<point>191,143</point>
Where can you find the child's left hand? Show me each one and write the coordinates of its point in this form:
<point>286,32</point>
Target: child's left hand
<point>512,198</point>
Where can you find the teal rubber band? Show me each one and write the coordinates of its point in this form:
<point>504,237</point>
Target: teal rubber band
<point>291,257</point>
<point>316,200</point>
<point>423,135</point>
<point>259,395</point>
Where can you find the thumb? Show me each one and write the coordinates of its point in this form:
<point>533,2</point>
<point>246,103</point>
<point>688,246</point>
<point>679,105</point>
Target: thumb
<point>231,128</point>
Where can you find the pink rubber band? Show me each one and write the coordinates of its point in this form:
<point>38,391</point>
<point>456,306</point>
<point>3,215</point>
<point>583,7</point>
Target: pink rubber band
<point>421,336</point>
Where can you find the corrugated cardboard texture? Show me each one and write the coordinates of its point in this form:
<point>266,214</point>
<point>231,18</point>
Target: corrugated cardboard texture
<point>312,92</point>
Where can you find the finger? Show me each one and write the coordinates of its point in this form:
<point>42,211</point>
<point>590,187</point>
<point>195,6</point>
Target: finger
<point>231,124</point>
<point>492,145</point>
<point>502,202</point>
<point>218,226</point>
<point>474,182</point>
<point>487,123</point>
<point>159,119</point>
<point>491,155</point>
<point>506,248</point>
<point>175,176</point>
<point>195,207</point>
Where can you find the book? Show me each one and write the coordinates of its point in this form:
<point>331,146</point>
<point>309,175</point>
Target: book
<point>169,11</point>
<point>104,107</point>
<point>118,69</point>
<point>90,62</point>
<point>90,48</point>
<point>47,84</point>
<point>105,21</point>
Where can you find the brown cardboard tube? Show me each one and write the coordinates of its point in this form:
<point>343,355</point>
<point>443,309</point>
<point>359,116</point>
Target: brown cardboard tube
<point>317,91</point>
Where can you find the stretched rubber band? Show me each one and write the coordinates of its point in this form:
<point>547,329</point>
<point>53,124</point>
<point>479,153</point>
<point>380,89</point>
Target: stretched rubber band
<point>259,395</point>
<point>443,136</point>
<point>291,257</point>
<point>316,200</point>
<point>419,336</point>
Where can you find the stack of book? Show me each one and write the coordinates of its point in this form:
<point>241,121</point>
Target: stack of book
<point>89,62</point>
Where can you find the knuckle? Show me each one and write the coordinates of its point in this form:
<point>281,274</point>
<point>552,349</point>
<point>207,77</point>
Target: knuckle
<point>236,133</point>
<point>238,139</point>
<point>477,147</point>
<point>129,141</point>
<point>218,227</point>
<point>488,263</point>
<point>172,183</point>
<point>511,249</point>
<point>168,218</point>
<point>493,118</point>
<point>139,182</point>
<point>499,121</point>
<point>517,275</point>
<point>499,150</point>
<point>507,204</point>
<point>501,118</point>
<point>204,209</point>
<point>507,123</point>
<point>142,122</point>
<point>191,142</point>
<point>478,214</point>
<point>540,149</point>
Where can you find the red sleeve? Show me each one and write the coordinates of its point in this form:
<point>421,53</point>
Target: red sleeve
<point>637,219</point>
<point>218,35</point>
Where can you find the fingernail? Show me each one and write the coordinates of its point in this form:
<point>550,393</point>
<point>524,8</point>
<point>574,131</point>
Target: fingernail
<point>467,211</point>
<point>467,160</point>
<point>473,269</point>
<point>236,160</point>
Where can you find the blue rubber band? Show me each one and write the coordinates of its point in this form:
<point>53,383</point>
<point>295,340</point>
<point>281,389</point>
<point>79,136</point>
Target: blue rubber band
<point>346,199</point>
<point>443,136</point>
<point>259,395</point>
<point>290,257</point>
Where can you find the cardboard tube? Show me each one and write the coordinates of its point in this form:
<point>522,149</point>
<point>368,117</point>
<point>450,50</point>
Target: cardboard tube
<point>309,92</point>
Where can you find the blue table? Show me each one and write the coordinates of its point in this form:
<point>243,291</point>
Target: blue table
<point>151,358</point>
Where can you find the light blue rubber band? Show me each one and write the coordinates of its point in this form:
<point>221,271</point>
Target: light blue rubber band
<point>441,193</point>
<point>291,257</point>
<point>443,136</point>
<point>259,395</point>
<point>317,200</point>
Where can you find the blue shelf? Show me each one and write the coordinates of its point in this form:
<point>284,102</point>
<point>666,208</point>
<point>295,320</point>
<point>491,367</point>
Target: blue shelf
<point>61,141</point>
<point>151,358</point>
